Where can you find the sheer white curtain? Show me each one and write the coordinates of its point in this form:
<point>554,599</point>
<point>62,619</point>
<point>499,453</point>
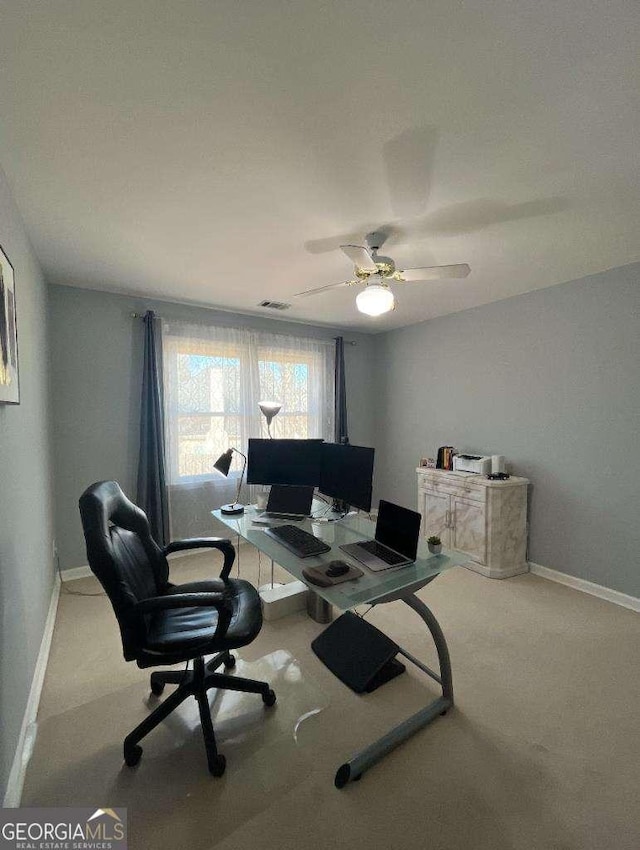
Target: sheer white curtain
<point>214,378</point>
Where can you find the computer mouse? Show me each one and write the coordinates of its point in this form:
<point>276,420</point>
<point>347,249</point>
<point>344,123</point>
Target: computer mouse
<point>337,568</point>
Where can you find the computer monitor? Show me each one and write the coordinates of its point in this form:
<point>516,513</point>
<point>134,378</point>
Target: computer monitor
<point>283,461</point>
<point>347,474</point>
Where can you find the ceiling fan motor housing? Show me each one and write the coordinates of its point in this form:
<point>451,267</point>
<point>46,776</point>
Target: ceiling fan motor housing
<point>375,240</point>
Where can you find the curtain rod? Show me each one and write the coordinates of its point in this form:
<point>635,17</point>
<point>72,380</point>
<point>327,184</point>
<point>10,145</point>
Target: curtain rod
<point>141,316</point>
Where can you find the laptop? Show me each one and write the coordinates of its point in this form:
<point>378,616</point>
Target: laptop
<point>396,540</point>
<point>289,501</point>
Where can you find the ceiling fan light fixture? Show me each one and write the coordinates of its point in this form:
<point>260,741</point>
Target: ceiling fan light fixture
<point>375,300</point>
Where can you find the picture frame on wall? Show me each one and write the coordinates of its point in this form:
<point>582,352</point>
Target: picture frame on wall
<point>9,371</point>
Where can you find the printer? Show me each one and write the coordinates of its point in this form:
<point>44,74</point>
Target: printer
<point>480,464</point>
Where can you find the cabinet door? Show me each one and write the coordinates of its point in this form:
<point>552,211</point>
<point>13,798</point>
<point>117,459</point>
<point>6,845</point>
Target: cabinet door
<point>469,531</point>
<point>435,515</point>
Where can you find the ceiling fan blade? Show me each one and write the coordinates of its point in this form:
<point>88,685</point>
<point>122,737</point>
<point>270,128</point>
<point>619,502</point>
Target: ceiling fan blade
<point>459,270</point>
<point>360,257</point>
<point>308,292</point>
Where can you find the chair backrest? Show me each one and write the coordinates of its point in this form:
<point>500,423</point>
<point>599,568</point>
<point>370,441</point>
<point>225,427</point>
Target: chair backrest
<point>123,556</point>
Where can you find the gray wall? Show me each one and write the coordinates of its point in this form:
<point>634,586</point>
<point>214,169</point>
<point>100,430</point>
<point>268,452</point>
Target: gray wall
<point>550,379</point>
<point>96,362</point>
<point>26,562</point>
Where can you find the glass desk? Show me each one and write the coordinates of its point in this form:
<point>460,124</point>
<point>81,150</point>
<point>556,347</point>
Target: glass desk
<point>372,588</point>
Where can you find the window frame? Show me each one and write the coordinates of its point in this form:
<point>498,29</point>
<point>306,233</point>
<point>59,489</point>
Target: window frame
<point>281,353</point>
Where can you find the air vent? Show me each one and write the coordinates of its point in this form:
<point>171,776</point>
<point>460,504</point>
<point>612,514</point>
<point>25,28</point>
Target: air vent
<point>274,305</point>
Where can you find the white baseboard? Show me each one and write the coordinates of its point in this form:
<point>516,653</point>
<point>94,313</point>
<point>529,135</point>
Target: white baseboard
<point>74,573</point>
<point>29,727</point>
<point>615,596</point>
<point>496,572</point>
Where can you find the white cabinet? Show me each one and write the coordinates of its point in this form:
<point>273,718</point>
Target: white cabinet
<point>486,520</point>
<point>467,527</point>
<point>436,506</point>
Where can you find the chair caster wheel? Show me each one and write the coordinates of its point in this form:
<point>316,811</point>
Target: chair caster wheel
<point>230,662</point>
<point>269,698</point>
<point>217,765</point>
<point>132,755</point>
<point>157,688</point>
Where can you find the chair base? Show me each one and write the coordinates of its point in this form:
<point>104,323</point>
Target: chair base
<point>194,683</point>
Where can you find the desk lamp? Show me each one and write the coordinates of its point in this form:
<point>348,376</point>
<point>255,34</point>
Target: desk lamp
<point>269,409</point>
<point>223,464</point>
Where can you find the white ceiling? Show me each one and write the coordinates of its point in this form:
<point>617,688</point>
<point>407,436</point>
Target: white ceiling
<point>219,152</point>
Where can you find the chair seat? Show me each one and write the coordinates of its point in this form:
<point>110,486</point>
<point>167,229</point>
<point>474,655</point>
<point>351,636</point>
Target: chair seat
<point>182,633</point>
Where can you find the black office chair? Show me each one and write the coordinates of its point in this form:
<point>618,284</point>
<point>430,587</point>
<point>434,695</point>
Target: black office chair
<point>161,623</point>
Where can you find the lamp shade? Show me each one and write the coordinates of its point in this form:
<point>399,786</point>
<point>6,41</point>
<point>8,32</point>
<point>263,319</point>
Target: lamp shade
<point>223,464</point>
<point>375,300</point>
<point>269,409</point>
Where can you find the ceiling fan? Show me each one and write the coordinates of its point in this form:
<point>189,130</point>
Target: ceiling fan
<point>376,271</point>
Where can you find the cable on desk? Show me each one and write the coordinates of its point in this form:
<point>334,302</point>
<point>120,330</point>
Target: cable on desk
<point>323,514</point>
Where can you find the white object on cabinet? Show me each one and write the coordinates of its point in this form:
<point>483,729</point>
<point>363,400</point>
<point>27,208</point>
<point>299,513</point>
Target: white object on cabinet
<point>484,519</point>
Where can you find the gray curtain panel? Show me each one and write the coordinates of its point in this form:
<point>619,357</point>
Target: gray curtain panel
<point>341,426</point>
<point>152,484</point>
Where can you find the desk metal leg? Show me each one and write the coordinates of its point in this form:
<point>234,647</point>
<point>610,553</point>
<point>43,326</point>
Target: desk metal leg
<point>353,769</point>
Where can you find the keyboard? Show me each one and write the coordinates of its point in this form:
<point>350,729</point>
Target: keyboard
<point>275,515</point>
<point>298,541</point>
<point>387,555</point>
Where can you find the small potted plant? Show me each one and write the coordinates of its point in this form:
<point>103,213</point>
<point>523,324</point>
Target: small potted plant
<point>435,544</point>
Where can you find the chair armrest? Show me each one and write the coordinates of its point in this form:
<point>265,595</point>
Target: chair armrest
<point>190,600</point>
<point>183,600</point>
<point>221,543</point>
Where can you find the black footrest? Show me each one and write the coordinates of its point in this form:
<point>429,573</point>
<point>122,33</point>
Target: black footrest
<point>357,653</point>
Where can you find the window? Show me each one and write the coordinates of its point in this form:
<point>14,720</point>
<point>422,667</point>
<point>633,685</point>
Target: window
<point>208,414</point>
<point>213,381</point>
<point>285,377</point>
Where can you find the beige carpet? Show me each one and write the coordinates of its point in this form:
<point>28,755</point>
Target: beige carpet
<point>541,751</point>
